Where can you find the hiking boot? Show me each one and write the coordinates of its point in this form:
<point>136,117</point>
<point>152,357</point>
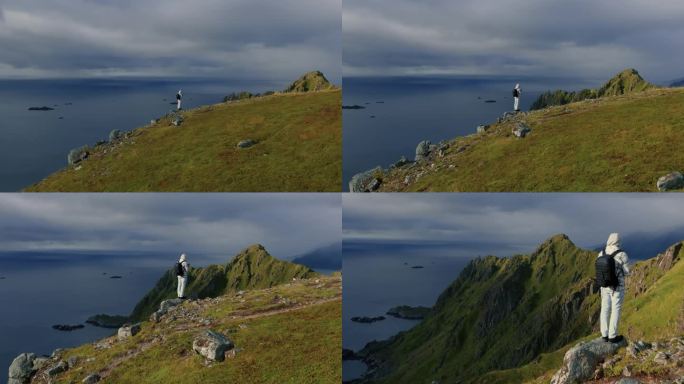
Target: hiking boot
<point>616,339</point>
<point>605,338</point>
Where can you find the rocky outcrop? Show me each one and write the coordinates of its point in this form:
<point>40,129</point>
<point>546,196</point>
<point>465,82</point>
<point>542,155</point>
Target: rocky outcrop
<point>128,331</point>
<point>521,130</point>
<point>77,155</point>
<point>116,135</point>
<point>368,181</point>
<point>212,345</point>
<point>21,369</point>
<point>674,180</point>
<point>163,308</point>
<point>91,379</point>
<point>422,150</point>
<point>310,82</point>
<point>582,360</point>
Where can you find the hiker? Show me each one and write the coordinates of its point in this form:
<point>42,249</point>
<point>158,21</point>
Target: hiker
<point>612,266</point>
<point>179,97</point>
<point>182,268</point>
<point>516,97</point>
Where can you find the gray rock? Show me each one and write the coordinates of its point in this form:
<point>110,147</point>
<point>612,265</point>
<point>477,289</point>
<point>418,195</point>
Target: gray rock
<point>72,361</point>
<point>21,368</point>
<point>77,155</point>
<point>674,180</point>
<point>168,304</point>
<point>246,143</point>
<point>361,182</point>
<point>374,185</point>
<point>212,345</point>
<point>128,331</point>
<point>116,135</point>
<point>91,379</point>
<point>661,358</point>
<point>521,130</point>
<point>58,368</point>
<point>422,150</point>
<point>41,362</point>
<point>580,361</point>
<point>628,380</point>
<point>400,163</point>
<point>482,128</point>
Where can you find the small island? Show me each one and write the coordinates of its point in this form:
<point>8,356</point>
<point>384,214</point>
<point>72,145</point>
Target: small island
<point>366,319</point>
<point>107,321</point>
<point>353,107</point>
<point>409,313</point>
<point>67,327</point>
<point>43,108</point>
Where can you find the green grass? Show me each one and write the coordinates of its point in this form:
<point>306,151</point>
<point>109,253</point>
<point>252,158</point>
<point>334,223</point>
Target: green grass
<point>613,144</point>
<point>299,149</point>
<point>301,346</point>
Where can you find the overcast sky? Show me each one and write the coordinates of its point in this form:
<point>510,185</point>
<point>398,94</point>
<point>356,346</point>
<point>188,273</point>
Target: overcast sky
<point>583,38</point>
<point>258,39</point>
<point>505,224</point>
<point>218,225</point>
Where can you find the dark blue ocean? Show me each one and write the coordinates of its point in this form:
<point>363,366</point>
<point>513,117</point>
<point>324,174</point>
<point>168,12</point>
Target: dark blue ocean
<point>401,112</point>
<point>34,144</point>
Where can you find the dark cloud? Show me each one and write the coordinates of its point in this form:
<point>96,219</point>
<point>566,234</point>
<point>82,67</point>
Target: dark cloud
<point>214,224</point>
<point>582,38</point>
<point>257,39</point>
<point>504,224</point>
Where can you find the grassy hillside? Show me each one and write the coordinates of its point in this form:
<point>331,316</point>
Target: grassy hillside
<point>290,333</point>
<point>622,143</point>
<point>299,148</point>
<point>252,268</point>
<point>511,320</point>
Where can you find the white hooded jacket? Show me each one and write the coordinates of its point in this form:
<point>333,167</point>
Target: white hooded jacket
<point>184,263</point>
<point>621,259</point>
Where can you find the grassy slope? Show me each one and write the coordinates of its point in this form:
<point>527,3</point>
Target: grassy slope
<point>657,314</point>
<point>622,143</point>
<point>299,149</point>
<point>300,346</point>
<point>252,268</point>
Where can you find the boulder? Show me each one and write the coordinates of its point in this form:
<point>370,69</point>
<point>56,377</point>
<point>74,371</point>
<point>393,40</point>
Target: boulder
<point>422,150</point>
<point>482,128</point>
<point>128,331</point>
<point>364,181</point>
<point>521,130</point>
<point>91,379</point>
<point>580,361</point>
<point>212,345</point>
<point>21,369</point>
<point>58,368</point>
<point>661,358</point>
<point>116,135</point>
<point>168,304</point>
<point>246,143</point>
<point>77,155</point>
<point>41,362</point>
<point>72,361</point>
<point>674,180</point>
<point>628,380</point>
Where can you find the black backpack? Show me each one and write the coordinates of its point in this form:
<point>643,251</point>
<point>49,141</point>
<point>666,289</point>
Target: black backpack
<point>180,271</point>
<point>515,92</point>
<point>606,276</point>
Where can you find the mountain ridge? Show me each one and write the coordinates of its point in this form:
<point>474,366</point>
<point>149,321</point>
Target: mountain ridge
<point>503,313</point>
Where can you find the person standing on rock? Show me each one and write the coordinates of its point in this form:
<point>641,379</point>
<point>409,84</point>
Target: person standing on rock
<point>179,97</point>
<point>612,267</point>
<point>516,97</point>
<point>182,268</point>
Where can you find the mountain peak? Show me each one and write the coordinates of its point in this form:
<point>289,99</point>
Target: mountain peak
<point>310,82</point>
<point>253,251</point>
<point>627,81</point>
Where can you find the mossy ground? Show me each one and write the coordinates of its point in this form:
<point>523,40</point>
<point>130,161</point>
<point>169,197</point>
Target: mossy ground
<point>612,144</point>
<point>291,333</point>
<point>299,148</point>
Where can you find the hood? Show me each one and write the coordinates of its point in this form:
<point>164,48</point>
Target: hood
<point>613,243</point>
<point>517,86</point>
<point>182,258</point>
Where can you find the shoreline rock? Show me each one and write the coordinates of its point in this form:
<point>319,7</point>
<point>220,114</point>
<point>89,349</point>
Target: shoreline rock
<point>367,181</point>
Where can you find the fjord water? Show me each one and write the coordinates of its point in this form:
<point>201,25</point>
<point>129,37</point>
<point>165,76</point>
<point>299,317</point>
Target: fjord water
<point>38,290</point>
<point>378,277</point>
<point>401,112</point>
<point>35,143</point>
